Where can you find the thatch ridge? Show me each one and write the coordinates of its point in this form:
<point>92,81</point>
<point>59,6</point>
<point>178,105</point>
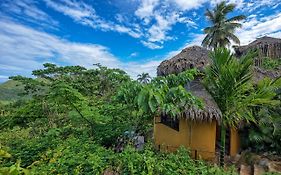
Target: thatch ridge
<point>189,57</point>
<point>267,46</point>
<point>198,57</point>
<point>210,109</point>
<point>260,74</point>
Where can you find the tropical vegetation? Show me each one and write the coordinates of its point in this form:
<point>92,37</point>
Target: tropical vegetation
<point>221,31</point>
<point>229,80</point>
<point>74,120</point>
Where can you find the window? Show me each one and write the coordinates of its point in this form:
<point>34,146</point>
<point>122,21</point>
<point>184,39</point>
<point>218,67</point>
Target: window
<point>169,121</point>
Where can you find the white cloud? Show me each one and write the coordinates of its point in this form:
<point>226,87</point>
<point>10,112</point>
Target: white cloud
<point>146,9</point>
<point>275,35</point>
<point>136,68</point>
<point>239,3</point>
<point>151,45</point>
<point>253,28</point>
<point>189,4</point>
<point>253,5</point>
<point>27,10</point>
<point>85,14</point>
<point>158,18</point>
<point>78,11</point>
<point>24,49</point>
<point>250,6</point>
<point>3,78</point>
<point>134,54</point>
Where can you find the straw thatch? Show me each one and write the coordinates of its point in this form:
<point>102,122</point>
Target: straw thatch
<point>198,57</point>
<point>266,46</point>
<point>210,110</point>
<point>188,58</point>
<point>260,74</point>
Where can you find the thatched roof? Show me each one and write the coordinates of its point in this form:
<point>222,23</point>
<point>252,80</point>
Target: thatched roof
<point>260,74</point>
<point>265,40</point>
<point>267,46</point>
<point>189,57</point>
<point>198,57</point>
<point>210,110</point>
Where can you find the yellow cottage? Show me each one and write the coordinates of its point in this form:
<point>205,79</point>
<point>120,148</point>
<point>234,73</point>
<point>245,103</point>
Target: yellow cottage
<point>199,129</point>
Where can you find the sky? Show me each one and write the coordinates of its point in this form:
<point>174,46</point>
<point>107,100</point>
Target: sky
<point>133,35</point>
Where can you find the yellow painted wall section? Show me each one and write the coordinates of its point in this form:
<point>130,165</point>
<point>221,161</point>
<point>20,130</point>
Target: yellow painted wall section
<point>203,140</point>
<point>197,136</point>
<point>234,142</point>
<point>168,138</point>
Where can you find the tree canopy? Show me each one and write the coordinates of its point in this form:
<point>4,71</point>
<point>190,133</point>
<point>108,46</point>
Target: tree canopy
<point>221,31</point>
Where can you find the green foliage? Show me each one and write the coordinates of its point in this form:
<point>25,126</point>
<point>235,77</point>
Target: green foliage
<point>229,80</point>
<point>29,150</point>
<point>10,90</point>
<point>74,156</point>
<point>14,169</point>
<point>221,31</point>
<point>77,156</point>
<point>162,95</point>
<point>75,117</point>
<point>267,132</point>
<point>151,162</point>
<point>270,64</point>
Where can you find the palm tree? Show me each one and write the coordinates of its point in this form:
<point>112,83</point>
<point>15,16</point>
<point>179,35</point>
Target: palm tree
<point>221,32</point>
<point>229,81</point>
<point>144,78</point>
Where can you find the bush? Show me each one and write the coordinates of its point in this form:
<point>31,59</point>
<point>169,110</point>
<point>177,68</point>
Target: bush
<point>76,156</point>
<point>269,63</point>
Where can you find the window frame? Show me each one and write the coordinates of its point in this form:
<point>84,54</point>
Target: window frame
<point>173,123</point>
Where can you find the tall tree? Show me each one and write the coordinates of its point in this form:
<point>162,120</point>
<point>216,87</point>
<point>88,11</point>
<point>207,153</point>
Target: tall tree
<point>229,81</point>
<point>144,78</point>
<point>221,31</point>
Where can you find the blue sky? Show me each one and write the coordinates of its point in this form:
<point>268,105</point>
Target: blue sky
<point>134,35</point>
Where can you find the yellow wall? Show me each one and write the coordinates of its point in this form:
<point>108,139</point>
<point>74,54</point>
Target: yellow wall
<point>168,138</point>
<point>203,138</point>
<point>234,142</point>
<point>197,136</point>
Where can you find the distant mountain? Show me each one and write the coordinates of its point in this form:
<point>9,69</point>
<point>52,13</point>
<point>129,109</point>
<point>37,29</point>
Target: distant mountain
<point>9,91</point>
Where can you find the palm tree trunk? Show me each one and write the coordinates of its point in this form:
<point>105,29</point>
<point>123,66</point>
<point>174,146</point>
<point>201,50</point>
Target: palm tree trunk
<point>222,145</point>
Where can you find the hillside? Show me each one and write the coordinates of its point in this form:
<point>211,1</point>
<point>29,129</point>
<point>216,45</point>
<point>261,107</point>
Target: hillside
<point>9,91</point>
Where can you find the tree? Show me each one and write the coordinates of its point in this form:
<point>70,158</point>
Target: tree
<point>58,90</point>
<point>221,31</point>
<point>162,95</point>
<point>229,81</point>
<point>144,78</point>
<point>267,131</point>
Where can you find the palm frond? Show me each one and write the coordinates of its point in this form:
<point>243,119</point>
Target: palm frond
<point>222,30</point>
<point>228,8</point>
<point>236,18</point>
